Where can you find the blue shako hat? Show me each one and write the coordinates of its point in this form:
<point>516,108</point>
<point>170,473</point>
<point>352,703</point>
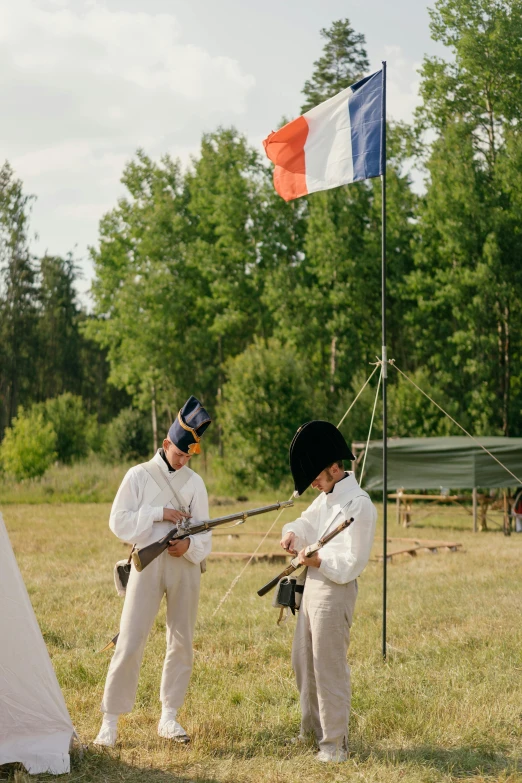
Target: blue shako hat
<point>189,425</point>
<point>315,446</point>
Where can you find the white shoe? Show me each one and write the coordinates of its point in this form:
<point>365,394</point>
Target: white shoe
<point>171,729</point>
<point>106,737</point>
<point>331,756</point>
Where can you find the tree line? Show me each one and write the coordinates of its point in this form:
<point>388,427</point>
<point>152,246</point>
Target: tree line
<point>207,283</point>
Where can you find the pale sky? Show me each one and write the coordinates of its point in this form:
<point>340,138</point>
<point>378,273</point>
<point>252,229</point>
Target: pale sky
<point>83,83</point>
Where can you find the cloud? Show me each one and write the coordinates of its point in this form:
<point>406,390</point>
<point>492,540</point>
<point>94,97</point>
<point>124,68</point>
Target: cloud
<point>82,86</point>
<point>402,94</point>
<point>403,81</point>
<point>102,68</point>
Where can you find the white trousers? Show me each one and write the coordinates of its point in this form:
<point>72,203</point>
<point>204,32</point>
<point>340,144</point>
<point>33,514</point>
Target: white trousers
<point>178,579</point>
<point>321,640</point>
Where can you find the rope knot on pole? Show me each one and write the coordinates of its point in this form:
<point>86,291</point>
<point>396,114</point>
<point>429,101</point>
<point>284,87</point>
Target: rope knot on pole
<point>381,362</point>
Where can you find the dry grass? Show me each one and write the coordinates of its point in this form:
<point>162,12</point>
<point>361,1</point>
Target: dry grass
<point>447,705</point>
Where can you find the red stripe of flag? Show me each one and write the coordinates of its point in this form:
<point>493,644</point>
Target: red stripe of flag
<point>285,148</point>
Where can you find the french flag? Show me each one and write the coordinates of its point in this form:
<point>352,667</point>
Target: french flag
<point>335,143</point>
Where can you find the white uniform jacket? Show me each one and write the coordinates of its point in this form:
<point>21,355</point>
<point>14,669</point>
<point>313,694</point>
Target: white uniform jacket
<point>343,558</point>
<point>134,520</point>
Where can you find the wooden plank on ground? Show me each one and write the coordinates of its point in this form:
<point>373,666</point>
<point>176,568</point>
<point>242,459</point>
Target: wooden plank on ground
<point>439,498</point>
<point>245,533</point>
<point>427,542</point>
<point>267,557</point>
<point>416,544</point>
<point>412,550</point>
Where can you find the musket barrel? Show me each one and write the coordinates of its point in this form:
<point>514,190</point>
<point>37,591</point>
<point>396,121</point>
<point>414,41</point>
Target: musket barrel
<point>252,512</point>
<point>142,557</point>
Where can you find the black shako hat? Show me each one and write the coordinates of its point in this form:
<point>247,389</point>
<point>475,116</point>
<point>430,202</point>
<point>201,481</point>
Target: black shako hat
<point>190,424</point>
<point>315,446</point>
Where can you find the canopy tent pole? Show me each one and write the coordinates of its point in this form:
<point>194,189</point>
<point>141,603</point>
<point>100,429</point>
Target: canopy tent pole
<point>384,367</point>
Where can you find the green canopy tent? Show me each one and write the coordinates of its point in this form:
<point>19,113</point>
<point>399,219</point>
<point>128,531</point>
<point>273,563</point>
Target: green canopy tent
<point>432,463</point>
<point>453,462</point>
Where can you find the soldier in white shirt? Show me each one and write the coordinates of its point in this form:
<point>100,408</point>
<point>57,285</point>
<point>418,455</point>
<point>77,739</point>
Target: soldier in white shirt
<point>152,497</point>
<point>322,633</point>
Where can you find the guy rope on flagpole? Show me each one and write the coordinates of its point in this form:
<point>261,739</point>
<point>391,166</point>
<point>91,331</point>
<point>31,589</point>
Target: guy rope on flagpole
<point>392,364</point>
<point>371,423</point>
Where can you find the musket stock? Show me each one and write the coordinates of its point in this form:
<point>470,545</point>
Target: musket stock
<point>273,582</point>
<point>142,557</point>
<point>310,550</point>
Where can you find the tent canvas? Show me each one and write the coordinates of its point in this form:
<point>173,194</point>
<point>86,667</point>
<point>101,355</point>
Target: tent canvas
<point>35,727</point>
<point>453,462</point>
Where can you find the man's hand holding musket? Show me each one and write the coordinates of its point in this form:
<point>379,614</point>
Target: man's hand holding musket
<point>177,548</point>
<point>288,543</point>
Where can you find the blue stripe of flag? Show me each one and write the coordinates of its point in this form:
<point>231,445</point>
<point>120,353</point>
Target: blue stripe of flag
<point>365,107</point>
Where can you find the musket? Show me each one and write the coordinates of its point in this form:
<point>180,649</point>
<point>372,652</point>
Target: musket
<point>310,550</point>
<point>142,557</point>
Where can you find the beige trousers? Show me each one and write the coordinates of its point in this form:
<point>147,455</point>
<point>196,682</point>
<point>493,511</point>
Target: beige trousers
<point>178,579</point>
<point>319,652</point>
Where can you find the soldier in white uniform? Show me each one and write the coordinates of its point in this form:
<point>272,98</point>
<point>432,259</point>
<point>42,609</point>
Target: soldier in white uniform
<point>152,497</point>
<point>322,633</point>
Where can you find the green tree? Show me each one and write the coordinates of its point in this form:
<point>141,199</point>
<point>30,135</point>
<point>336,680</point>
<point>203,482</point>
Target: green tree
<point>127,436</point>
<point>59,354</point>
<point>480,85</point>
<point>225,200</point>
<point>147,296</point>
<point>468,259</point>
<point>179,273</point>
<point>412,415</point>
<point>29,445</point>
<point>265,399</point>
<point>42,352</point>
<point>70,422</point>
<point>18,346</point>
<point>344,62</point>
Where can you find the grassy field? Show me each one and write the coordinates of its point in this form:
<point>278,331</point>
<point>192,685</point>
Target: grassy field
<point>446,706</point>
<point>95,481</point>
<point>91,481</point>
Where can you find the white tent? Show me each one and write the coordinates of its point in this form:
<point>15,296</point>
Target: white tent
<point>35,727</point>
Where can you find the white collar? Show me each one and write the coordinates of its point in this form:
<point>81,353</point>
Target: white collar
<point>158,459</point>
<point>342,489</point>
<point>169,474</point>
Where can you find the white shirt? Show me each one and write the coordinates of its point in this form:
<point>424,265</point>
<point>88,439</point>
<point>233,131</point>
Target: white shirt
<point>345,557</point>
<point>134,520</point>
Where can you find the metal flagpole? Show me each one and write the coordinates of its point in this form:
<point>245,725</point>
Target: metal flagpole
<point>384,368</point>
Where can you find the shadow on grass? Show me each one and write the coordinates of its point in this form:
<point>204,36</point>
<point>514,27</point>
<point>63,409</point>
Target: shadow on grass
<point>108,767</point>
<point>95,766</point>
<point>461,762</point>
